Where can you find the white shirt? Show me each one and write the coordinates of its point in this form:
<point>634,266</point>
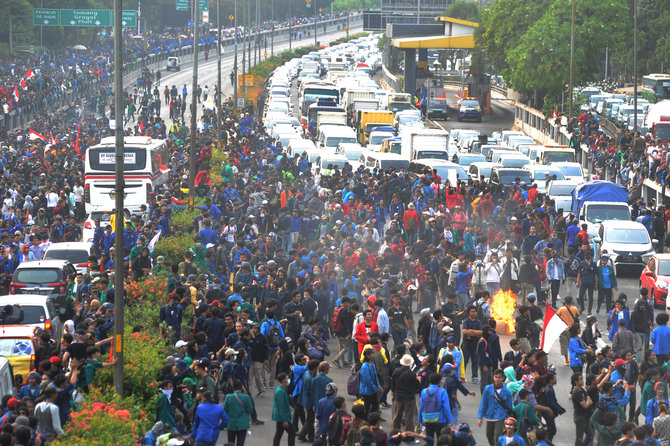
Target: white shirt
<point>52,200</point>
<point>78,194</point>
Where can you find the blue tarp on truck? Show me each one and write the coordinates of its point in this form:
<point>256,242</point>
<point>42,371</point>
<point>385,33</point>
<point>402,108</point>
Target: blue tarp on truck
<point>598,191</point>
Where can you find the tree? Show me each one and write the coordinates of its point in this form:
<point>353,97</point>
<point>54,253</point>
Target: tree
<point>529,41</point>
<point>463,10</point>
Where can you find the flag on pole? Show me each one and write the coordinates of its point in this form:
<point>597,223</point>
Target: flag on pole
<point>142,126</point>
<point>555,115</point>
<point>23,84</point>
<point>152,243</point>
<point>16,93</point>
<point>33,135</point>
<point>552,329</point>
<point>76,143</point>
<point>29,74</point>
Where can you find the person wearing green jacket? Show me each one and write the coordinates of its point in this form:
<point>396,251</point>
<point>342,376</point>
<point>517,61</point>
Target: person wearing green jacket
<point>605,283</point>
<point>238,406</point>
<point>525,412</point>
<point>281,412</point>
<point>610,431</point>
<point>654,376</point>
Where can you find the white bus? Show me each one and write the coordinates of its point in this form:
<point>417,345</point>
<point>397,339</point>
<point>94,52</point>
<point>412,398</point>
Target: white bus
<point>145,168</point>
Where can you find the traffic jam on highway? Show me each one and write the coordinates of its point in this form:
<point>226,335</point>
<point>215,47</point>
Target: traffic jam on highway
<point>351,271</point>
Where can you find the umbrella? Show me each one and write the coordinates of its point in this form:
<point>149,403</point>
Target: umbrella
<point>79,47</point>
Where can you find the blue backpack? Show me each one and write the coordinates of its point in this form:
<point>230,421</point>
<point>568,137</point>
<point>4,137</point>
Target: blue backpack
<point>431,409</point>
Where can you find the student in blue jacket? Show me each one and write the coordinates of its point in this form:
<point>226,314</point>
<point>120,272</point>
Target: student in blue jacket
<point>210,418</point>
<point>510,434</point>
<point>576,348</point>
<point>369,382</point>
<point>494,412</point>
<point>434,407</point>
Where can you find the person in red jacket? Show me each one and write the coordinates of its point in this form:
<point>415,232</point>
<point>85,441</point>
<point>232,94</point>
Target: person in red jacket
<point>411,221</point>
<point>364,329</point>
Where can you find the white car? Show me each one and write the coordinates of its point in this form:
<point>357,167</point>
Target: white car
<point>76,253</point>
<point>540,173</point>
<point>572,171</point>
<point>561,192</point>
<point>627,243</point>
<point>104,215</point>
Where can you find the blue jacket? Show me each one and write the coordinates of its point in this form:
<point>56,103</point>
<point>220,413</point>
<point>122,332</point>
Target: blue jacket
<point>305,398</point>
<point>652,410</point>
<point>502,442</point>
<point>490,408</point>
<point>576,348</point>
<point>443,399</point>
<point>265,330</point>
<point>660,339</point>
<point>319,384</point>
<point>369,381</point>
<point>614,326</point>
<point>298,371</point>
<point>324,409</point>
<point>209,419</point>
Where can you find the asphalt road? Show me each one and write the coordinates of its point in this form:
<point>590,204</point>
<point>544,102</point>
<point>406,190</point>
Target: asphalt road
<point>208,73</point>
<point>501,118</point>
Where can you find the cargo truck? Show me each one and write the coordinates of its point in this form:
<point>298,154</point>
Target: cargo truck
<point>657,120</point>
<point>367,120</point>
<point>399,102</point>
<point>424,144</point>
<point>598,201</point>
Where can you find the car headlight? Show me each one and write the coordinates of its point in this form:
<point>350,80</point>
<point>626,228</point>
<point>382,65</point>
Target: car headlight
<point>478,108</point>
<point>662,284</point>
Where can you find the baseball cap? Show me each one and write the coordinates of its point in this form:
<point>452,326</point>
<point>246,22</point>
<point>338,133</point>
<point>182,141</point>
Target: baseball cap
<point>619,362</point>
<point>447,368</point>
<point>180,344</point>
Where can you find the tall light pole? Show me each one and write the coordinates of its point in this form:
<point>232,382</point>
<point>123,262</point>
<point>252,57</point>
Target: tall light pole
<point>218,79</point>
<point>272,29</point>
<point>290,26</point>
<point>635,65</point>
<point>235,60</point>
<point>194,109</point>
<point>572,59</point>
<point>119,157</point>
<point>316,17</point>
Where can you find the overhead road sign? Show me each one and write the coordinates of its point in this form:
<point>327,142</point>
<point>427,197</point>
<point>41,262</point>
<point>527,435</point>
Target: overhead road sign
<point>86,17</point>
<point>181,5</point>
<point>46,17</point>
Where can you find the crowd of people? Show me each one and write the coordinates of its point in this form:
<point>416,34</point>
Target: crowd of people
<point>293,272</point>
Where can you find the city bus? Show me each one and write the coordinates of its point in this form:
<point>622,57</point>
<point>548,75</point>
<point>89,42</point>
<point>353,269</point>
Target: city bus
<point>145,168</point>
<point>314,91</point>
<point>656,87</point>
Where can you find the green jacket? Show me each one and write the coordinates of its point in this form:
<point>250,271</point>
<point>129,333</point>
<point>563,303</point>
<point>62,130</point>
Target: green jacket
<point>238,414</point>
<point>648,393</point>
<point>281,409</point>
<point>612,276</point>
<point>525,410</point>
<point>607,436</point>
<point>164,411</point>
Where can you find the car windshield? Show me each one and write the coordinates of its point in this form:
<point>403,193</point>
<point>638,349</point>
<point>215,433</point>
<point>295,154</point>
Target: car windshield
<point>36,275</point>
<point>628,236</point>
<point>515,161</point>
<point>74,256</point>
<point>334,141</point>
<point>470,103</point>
<point>101,215</point>
<point>443,172</point>
<point>557,157</point>
<point>16,347</point>
<point>378,139</point>
<point>561,189</point>
<point>353,155</point>
<point>572,171</point>
<point>539,174</point>
<point>564,203</point>
<point>664,268</point>
<point>334,163</point>
<point>32,314</point>
<point>469,159</point>
<point>507,178</point>
<point>597,213</point>
<point>432,154</point>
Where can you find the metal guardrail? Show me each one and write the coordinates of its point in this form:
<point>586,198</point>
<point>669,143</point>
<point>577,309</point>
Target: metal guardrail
<point>16,120</point>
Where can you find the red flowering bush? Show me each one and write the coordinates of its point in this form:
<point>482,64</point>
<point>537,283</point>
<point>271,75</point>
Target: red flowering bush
<point>104,423</point>
<point>151,288</point>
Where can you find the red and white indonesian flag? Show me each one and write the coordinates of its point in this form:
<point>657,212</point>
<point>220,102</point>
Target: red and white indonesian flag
<point>29,74</point>
<point>552,329</point>
<point>16,93</point>
<point>33,135</point>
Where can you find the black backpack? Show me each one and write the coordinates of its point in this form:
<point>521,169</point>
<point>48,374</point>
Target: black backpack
<point>274,335</point>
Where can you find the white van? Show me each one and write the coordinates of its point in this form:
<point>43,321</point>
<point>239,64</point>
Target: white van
<point>299,146</point>
<point>383,161</point>
<point>330,136</point>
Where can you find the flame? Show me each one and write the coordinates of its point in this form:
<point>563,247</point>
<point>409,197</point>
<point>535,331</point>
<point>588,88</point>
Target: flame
<point>503,305</point>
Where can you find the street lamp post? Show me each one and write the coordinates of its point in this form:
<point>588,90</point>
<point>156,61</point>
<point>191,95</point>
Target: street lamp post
<point>235,61</point>
<point>194,109</point>
<point>119,157</point>
<point>218,79</point>
<point>635,65</point>
<point>572,59</point>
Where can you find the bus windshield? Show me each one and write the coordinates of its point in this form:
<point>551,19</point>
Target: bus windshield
<point>558,157</point>
<point>102,159</point>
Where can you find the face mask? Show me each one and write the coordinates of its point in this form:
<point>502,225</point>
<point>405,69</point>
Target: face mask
<point>167,393</point>
<point>239,309</point>
<point>288,382</point>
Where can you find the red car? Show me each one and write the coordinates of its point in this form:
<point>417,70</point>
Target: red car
<point>655,278</point>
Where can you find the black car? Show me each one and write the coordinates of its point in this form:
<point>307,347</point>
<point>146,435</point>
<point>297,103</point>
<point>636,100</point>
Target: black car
<point>46,278</point>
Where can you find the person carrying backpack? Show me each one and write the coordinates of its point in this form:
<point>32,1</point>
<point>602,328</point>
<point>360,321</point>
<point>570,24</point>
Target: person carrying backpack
<point>274,332</point>
<point>339,423</point>
<point>359,421</point>
<point>571,266</point>
<point>434,408</point>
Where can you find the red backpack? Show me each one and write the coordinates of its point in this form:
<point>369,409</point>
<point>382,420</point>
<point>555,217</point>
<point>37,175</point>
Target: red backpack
<point>335,321</point>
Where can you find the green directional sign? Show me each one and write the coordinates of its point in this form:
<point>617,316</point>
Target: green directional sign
<point>203,5</point>
<point>45,17</point>
<point>182,5</point>
<point>86,17</point>
<point>128,18</point>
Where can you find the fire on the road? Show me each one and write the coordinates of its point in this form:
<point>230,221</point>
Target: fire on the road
<point>503,305</point>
